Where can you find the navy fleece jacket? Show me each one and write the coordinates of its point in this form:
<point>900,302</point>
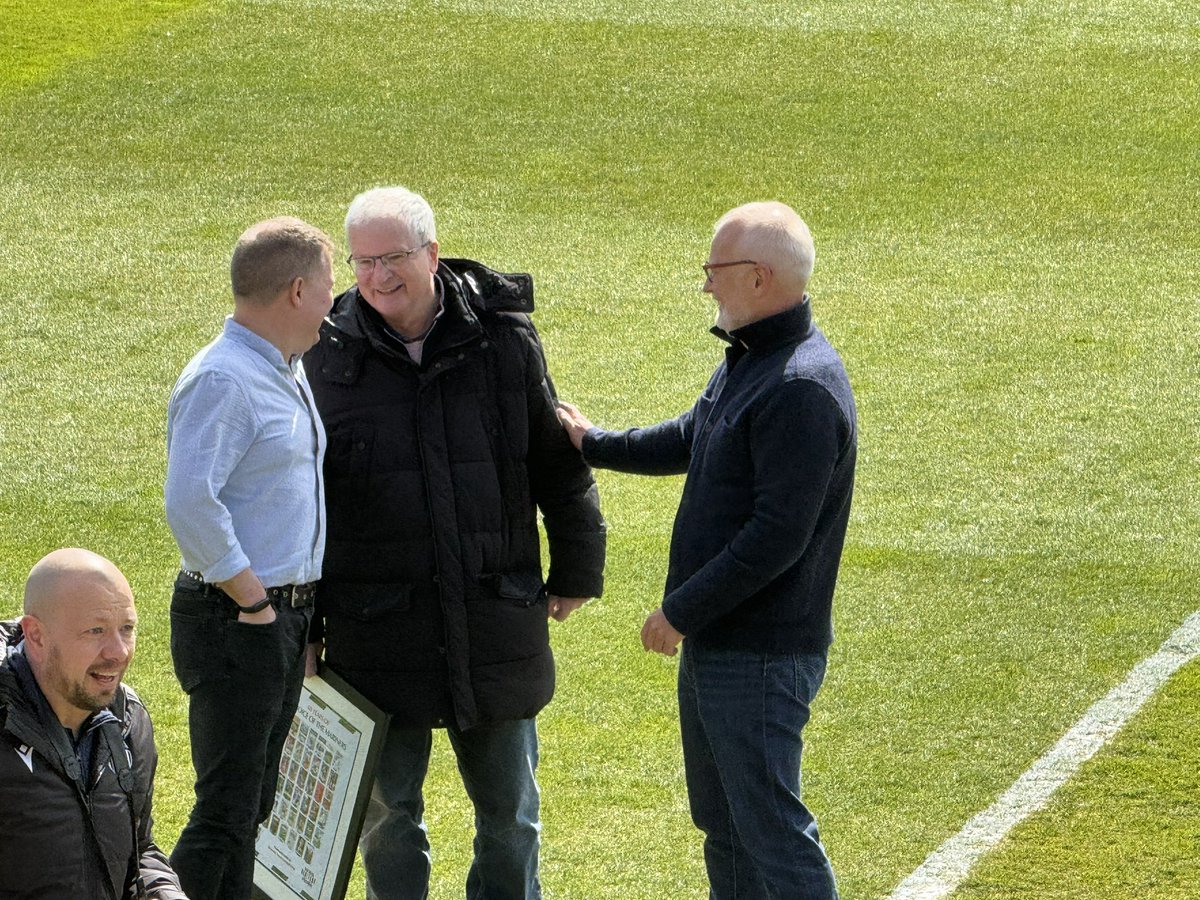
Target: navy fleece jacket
<point>769,450</point>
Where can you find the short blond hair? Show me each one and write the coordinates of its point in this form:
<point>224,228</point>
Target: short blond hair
<point>271,254</point>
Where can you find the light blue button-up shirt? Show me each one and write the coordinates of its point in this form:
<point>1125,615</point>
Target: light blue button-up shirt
<point>245,448</point>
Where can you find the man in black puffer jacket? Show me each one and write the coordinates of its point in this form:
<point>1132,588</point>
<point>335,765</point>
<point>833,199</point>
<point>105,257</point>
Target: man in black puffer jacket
<point>443,446</point>
<point>77,753</point>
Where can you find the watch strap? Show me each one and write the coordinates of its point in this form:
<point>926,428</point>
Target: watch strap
<point>256,607</point>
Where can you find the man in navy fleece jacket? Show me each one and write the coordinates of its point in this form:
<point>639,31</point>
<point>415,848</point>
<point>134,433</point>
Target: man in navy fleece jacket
<point>769,451</point>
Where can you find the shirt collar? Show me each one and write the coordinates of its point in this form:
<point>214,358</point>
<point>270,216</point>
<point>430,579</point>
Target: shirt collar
<point>240,334</point>
<point>439,295</point>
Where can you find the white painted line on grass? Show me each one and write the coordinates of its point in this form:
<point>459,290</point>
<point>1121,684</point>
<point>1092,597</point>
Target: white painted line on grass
<point>946,867</point>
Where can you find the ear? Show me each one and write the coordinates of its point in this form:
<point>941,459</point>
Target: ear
<point>295,289</point>
<point>433,256</point>
<point>35,635</point>
<point>762,276</point>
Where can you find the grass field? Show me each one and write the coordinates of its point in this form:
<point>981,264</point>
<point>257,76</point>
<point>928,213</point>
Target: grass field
<point>1003,198</point>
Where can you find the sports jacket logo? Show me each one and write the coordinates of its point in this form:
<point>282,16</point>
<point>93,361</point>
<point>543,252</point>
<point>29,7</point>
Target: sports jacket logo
<point>26,753</point>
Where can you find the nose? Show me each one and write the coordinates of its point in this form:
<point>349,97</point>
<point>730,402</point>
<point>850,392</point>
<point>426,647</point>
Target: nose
<point>119,647</point>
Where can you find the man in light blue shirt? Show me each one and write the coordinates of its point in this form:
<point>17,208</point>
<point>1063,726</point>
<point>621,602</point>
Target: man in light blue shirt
<point>245,501</point>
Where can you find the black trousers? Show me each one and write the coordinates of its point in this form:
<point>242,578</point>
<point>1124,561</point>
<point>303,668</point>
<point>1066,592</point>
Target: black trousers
<point>243,685</point>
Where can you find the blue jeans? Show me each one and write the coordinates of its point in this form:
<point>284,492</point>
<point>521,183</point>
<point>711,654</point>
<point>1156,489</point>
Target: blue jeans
<point>497,763</point>
<point>741,714</point>
<point>243,685</point>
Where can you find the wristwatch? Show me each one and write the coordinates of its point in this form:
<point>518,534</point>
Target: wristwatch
<point>255,607</point>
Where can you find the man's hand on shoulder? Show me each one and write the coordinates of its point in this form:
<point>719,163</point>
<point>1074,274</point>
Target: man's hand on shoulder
<point>574,422</point>
<point>558,608</point>
<point>660,635</point>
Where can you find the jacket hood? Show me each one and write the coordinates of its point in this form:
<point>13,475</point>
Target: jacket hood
<point>488,289</point>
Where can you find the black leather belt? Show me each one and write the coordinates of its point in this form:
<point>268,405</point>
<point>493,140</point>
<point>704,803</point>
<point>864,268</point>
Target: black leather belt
<point>294,594</point>
<point>298,595</point>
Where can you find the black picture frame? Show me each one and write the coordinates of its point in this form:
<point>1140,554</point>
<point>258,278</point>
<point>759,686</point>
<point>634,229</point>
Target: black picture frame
<point>305,850</point>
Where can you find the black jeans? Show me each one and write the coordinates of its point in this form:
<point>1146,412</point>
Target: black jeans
<point>243,685</point>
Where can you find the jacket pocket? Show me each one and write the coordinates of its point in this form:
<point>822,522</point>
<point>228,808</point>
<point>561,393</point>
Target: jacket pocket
<point>518,588</point>
<point>197,638</point>
<point>348,454</point>
<point>507,620</point>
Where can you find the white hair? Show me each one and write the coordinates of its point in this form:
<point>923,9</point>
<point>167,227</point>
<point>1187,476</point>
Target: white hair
<point>777,235</point>
<point>397,204</point>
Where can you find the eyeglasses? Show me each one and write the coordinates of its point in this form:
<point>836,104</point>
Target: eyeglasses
<point>365,265</point>
<point>708,267</point>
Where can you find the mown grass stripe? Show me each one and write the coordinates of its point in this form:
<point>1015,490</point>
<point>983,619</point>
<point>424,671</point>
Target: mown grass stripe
<point>38,40</point>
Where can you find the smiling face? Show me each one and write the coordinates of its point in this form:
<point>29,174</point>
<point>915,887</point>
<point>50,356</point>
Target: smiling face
<point>401,291</point>
<point>80,641</point>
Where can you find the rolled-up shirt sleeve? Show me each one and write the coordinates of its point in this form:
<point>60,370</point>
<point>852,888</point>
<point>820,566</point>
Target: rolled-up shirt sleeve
<point>210,426</point>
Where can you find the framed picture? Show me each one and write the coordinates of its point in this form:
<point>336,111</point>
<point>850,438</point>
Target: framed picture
<point>305,849</point>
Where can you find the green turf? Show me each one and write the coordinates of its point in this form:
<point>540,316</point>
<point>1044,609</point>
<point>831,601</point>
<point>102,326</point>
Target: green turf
<point>39,39</point>
<point>1000,196</point>
<point>1115,830</point>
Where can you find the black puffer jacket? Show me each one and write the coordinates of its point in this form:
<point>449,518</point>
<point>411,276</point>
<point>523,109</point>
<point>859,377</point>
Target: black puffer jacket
<point>432,598</point>
<point>54,830</point>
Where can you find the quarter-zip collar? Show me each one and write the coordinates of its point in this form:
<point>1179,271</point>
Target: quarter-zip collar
<point>787,327</point>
